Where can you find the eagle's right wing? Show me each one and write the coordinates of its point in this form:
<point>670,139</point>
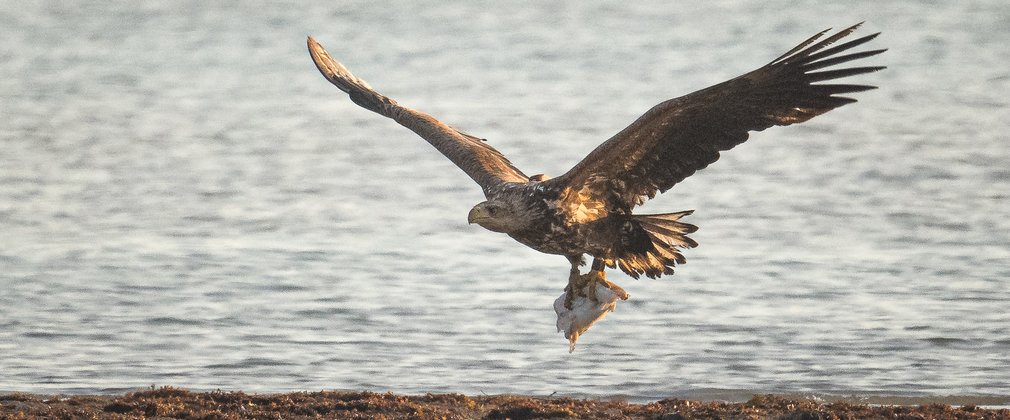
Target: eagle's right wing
<point>483,163</point>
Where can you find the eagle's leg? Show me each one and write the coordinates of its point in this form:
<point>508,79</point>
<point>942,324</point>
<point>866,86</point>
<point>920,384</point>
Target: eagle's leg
<point>574,279</point>
<point>600,276</point>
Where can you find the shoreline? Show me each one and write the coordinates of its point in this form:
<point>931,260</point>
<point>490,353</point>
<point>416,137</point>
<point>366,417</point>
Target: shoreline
<point>182,403</point>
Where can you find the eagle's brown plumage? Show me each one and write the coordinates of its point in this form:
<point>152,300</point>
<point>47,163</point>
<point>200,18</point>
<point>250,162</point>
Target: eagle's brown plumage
<point>588,210</point>
<point>487,166</point>
<point>682,135</point>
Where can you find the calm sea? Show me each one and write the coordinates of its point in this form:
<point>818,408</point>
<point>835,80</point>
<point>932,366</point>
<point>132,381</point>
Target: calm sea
<point>185,201</point>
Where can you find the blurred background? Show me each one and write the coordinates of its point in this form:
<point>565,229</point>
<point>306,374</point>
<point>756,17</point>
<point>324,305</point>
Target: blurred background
<point>185,201</point>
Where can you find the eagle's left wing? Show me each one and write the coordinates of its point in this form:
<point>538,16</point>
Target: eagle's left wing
<point>487,166</point>
<point>682,135</point>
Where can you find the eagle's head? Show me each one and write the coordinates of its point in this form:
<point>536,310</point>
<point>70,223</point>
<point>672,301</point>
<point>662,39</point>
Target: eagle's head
<point>498,215</point>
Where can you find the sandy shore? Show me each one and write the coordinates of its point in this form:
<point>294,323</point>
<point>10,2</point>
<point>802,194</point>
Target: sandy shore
<point>180,403</point>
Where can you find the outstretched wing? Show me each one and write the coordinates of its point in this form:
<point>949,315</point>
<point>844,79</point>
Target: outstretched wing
<point>483,163</point>
<point>682,135</point>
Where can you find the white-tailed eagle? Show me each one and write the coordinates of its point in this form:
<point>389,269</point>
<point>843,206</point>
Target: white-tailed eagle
<point>588,210</point>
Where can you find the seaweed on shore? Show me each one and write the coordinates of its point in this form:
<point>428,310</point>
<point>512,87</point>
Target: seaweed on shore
<point>180,403</point>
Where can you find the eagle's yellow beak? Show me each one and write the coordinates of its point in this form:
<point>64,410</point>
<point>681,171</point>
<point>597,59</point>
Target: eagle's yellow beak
<point>475,215</point>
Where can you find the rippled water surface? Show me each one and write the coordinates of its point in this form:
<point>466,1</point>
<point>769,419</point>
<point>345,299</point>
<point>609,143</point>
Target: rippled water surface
<point>185,201</point>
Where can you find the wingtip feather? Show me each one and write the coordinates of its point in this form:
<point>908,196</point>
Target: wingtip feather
<point>807,51</point>
<point>332,70</point>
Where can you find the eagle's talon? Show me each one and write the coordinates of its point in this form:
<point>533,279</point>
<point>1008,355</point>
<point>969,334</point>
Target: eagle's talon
<point>573,285</point>
<point>568,296</point>
<point>621,294</point>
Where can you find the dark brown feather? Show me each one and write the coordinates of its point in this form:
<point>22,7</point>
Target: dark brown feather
<point>678,137</point>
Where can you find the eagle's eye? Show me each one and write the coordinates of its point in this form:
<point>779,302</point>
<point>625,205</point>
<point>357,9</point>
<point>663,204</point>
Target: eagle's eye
<point>492,211</point>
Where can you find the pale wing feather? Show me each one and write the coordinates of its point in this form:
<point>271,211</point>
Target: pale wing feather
<point>481,162</point>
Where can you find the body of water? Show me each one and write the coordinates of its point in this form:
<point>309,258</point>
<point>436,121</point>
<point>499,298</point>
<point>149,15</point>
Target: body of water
<point>185,201</point>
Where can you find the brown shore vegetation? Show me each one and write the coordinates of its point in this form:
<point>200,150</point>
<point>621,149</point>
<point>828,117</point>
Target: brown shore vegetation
<point>168,403</point>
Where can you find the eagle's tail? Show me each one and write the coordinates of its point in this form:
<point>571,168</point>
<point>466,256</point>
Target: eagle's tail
<point>654,243</point>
